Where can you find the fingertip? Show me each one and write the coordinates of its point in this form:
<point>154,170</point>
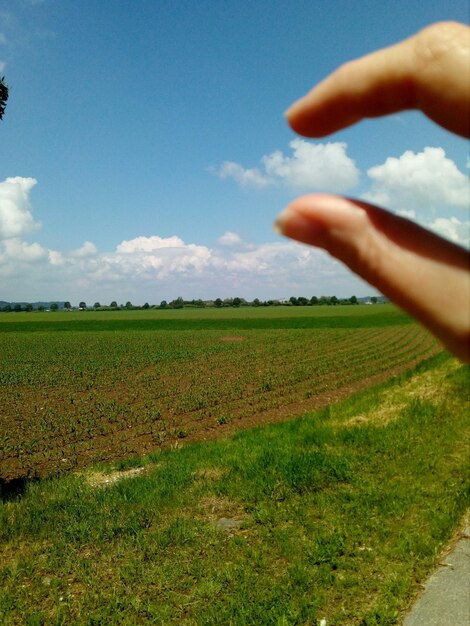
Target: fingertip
<point>296,224</point>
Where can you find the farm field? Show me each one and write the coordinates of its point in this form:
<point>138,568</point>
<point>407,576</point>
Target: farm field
<point>82,387</point>
<point>334,517</point>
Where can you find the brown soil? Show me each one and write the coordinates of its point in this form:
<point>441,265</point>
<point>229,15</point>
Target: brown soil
<point>128,438</point>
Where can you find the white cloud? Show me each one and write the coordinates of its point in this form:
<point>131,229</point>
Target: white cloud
<point>156,268</point>
<point>312,166</point>
<point>14,249</point>
<point>56,258</point>
<point>452,229</point>
<point>423,181</point>
<point>156,258</point>
<point>244,177</point>
<point>409,213</point>
<point>87,249</point>
<point>153,268</point>
<point>230,239</point>
<point>149,244</point>
<point>15,210</point>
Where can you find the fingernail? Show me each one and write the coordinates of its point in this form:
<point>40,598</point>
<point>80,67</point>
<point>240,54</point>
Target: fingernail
<point>297,226</point>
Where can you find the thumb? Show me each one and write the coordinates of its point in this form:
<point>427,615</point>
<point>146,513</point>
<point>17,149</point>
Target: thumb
<point>421,272</point>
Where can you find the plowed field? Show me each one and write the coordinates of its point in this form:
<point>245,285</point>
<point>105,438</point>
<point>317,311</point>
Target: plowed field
<point>79,389</point>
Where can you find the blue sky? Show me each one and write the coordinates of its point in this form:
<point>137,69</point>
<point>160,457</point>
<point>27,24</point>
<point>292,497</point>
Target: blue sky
<point>144,154</point>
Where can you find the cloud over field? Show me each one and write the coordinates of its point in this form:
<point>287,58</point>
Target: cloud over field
<point>426,187</point>
<point>154,268</point>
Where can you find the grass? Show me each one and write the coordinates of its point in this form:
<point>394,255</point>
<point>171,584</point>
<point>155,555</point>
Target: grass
<point>335,515</point>
<point>280,317</point>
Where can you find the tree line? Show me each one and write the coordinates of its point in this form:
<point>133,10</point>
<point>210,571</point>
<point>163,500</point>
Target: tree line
<point>179,303</point>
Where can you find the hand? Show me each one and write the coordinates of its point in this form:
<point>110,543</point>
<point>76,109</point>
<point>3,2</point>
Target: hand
<point>423,273</point>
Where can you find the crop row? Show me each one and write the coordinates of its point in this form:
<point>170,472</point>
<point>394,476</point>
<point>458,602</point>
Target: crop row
<point>72,397</point>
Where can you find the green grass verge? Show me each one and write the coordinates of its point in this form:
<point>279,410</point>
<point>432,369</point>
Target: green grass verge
<point>336,515</point>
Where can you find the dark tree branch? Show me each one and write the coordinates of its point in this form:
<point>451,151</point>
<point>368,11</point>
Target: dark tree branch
<point>3,96</point>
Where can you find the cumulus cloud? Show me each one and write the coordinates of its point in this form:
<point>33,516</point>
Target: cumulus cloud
<point>453,229</point>
<point>154,268</point>
<point>409,213</point>
<point>419,181</point>
<point>230,239</point>
<point>16,219</point>
<point>243,176</point>
<point>56,258</point>
<point>14,249</point>
<point>156,258</point>
<point>149,244</point>
<point>87,249</point>
<point>312,166</point>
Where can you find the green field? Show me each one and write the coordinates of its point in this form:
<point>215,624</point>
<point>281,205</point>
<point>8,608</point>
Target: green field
<point>337,516</point>
<point>83,387</point>
<point>300,464</point>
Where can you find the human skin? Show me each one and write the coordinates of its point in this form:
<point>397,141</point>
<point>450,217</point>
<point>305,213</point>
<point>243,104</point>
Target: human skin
<point>424,274</point>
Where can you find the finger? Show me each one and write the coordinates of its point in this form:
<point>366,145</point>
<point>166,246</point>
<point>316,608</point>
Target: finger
<point>419,271</point>
<point>430,71</point>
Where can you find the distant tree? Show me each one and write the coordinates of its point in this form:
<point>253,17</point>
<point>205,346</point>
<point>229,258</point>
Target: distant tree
<point>353,300</point>
<point>301,301</point>
<point>82,305</point>
<point>128,305</point>
<point>113,304</point>
<point>97,305</point>
<point>146,306</point>
<point>256,302</point>
<point>3,96</point>
<point>236,302</point>
<point>67,305</point>
<point>41,307</point>
<point>374,299</point>
<point>218,302</point>
<point>178,303</point>
<point>314,300</point>
<point>17,308</point>
<point>293,300</point>
<point>54,306</point>
<point>334,300</point>
<point>324,300</point>
<point>163,304</point>
<point>7,308</point>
